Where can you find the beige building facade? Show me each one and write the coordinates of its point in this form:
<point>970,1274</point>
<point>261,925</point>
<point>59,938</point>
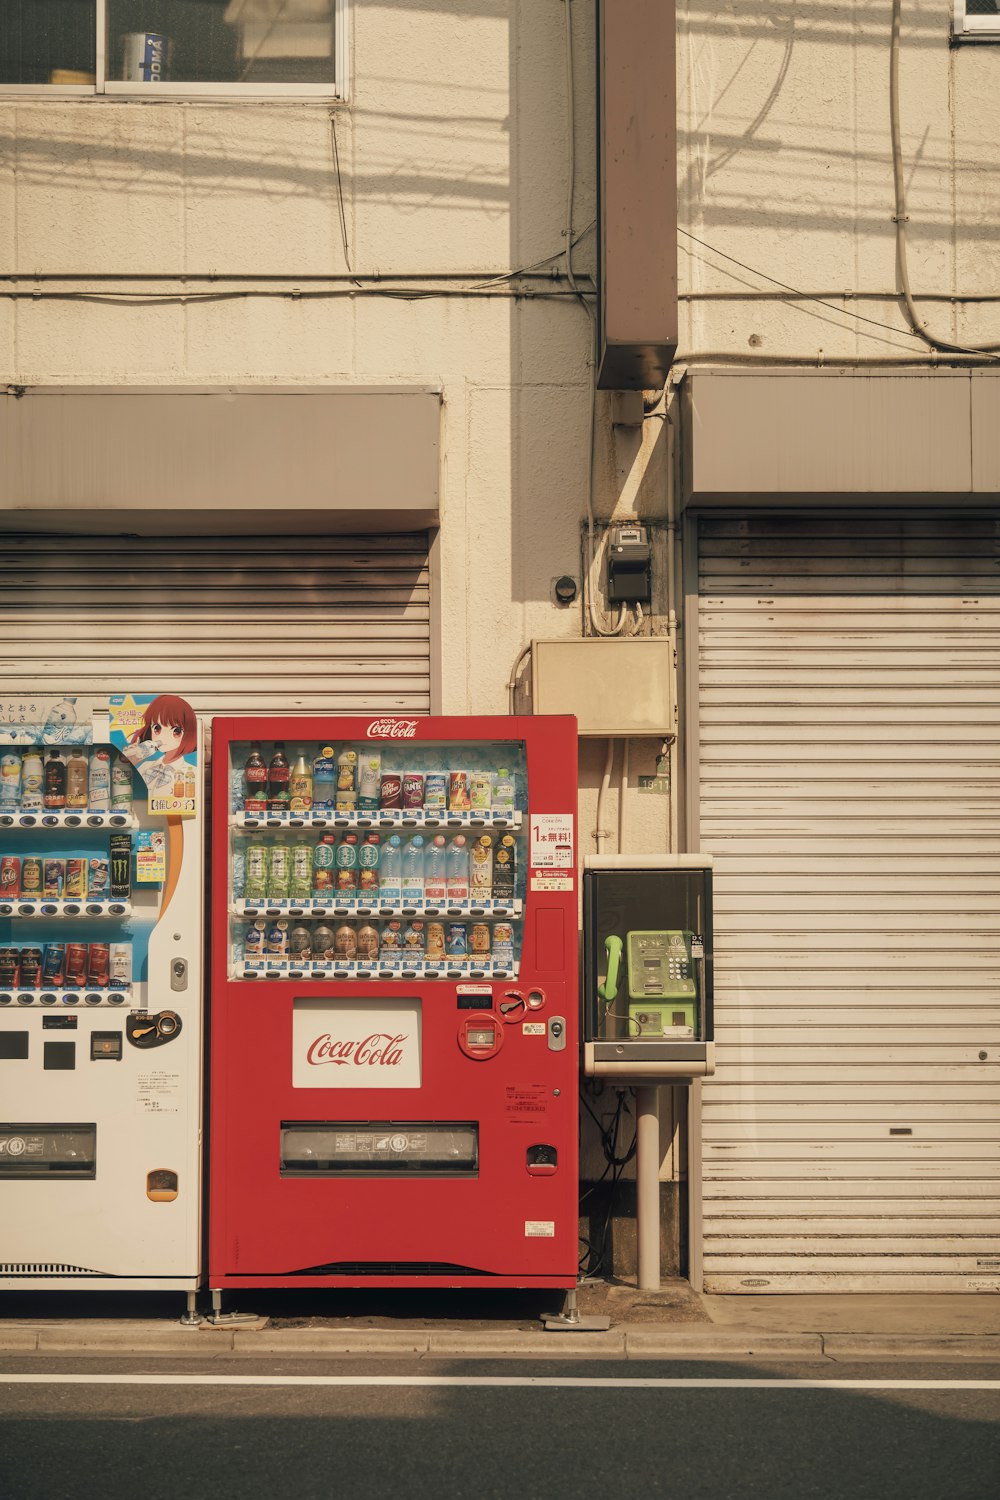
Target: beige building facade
<point>306,361</point>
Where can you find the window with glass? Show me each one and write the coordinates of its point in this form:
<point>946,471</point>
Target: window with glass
<point>180,47</point>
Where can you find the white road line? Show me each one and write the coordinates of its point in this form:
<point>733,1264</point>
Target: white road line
<point>553,1382</point>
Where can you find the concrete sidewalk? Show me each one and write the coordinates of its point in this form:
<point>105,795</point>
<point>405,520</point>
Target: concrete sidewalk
<point>672,1323</point>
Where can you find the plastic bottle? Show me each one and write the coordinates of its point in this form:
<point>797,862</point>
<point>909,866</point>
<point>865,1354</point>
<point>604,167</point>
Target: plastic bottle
<point>32,779</point>
<point>324,780</point>
<point>505,868</point>
<point>77,778</point>
<point>278,776</point>
<point>255,781</point>
<point>300,785</point>
<point>481,868</point>
<point>347,780</point>
<point>369,856</point>
<point>413,872</point>
<point>10,778</point>
<point>391,872</point>
<point>458,869</point>
<point>121,785</point>
<point>436,872</point>
<point>99,779</point>
<point>347,865</point>
<point>55,780</point>
<point>369,779</point>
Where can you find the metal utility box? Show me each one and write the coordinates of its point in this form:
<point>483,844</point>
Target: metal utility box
<point>612,687</point>
<point>647,967</point>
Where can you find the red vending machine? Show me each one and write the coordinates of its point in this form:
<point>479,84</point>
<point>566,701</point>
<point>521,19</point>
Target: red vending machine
<point>394,1003</point>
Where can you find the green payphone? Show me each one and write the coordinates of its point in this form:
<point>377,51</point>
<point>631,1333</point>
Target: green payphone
<point>662,988</point>
<point>648,965</point>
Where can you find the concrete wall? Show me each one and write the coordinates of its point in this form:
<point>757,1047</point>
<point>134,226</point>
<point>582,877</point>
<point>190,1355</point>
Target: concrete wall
<point>786,168</point>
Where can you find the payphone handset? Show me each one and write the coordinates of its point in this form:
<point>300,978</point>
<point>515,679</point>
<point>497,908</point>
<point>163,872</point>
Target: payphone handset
<point>662,982</point>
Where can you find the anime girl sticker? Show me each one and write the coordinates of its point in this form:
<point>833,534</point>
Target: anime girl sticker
<point>159,736</point>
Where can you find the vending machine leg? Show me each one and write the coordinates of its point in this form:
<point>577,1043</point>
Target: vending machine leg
<point>192,1318</point>
<point>570,1321</point>
<point>220,1319</point>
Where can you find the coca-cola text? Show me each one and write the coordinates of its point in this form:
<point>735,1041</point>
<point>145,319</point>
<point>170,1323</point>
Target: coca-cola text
<point>380,1049</point>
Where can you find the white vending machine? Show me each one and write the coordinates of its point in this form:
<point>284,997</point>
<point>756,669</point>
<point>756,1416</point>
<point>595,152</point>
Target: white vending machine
<point>101,918</point>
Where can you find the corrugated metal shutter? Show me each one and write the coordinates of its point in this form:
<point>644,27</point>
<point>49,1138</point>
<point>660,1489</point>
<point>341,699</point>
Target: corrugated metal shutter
<point>272,624</point>
<point>849,703</point>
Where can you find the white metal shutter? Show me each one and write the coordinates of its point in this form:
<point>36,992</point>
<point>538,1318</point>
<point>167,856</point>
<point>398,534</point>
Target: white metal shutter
<point>272,624</point>
<point>849,703</point>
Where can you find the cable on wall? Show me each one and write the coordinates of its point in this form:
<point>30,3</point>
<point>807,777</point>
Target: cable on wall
<point>901,216</point>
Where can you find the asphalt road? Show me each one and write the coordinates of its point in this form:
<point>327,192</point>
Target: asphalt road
<point>488,1428</point>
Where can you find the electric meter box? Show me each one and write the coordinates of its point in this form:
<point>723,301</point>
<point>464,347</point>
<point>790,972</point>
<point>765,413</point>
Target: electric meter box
<point>611,687</point>
<point>647,996</point>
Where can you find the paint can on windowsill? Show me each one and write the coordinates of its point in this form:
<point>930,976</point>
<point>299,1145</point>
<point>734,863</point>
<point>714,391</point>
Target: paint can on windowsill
<point>145,57</point>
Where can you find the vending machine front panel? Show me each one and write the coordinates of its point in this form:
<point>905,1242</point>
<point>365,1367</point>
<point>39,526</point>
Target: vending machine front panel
<point>395,1048</point>
<point>100,1002</point>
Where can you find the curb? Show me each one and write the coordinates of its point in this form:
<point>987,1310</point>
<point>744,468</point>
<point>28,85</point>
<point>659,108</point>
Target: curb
<point>627,1342</point>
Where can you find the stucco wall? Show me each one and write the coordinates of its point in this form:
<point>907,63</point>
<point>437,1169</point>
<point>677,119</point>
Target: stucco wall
<point>786,168</point>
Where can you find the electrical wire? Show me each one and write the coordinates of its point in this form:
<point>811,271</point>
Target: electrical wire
<point>900,216</point>
<point>616,1164</point>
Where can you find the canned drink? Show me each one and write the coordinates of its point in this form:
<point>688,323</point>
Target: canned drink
<point>99,965</point>
<point>458,791</point>
<point>456,940</point>
<point>53,879</point>
<point>300,879</point>
<point>480,791</point>
<point>413,789</point>
<point>345,942</point>
<point>299,944</point>
<point>413,937</point>
<point>54,963</point>
<point>276,940</point>
<point>322,942</point>
<point>77,964</point>
<point>479,939</point>
<point>435,940</point>
<point>370,780</point>
<point>144,56</point>
<point>503,942</point>
<point>121,866</point>
<point>77,882</point>
<point>254,939</point>
<point>31,968</point>
<point>279,872</point>
<point>391,791</point>
<point>31,876</point>
<point>368,941</point>
<point>255,878</point>
<point>10,877</point>
<point>99,880</point>
<point>435,791</point>
<point>391,938</point>
<point>120,966</point>
<point>10,968</point>
<point>346,799</point>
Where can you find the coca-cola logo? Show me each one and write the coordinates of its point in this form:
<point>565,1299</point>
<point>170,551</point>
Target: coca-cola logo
<point>392,729</point>
<point>380,1049</point>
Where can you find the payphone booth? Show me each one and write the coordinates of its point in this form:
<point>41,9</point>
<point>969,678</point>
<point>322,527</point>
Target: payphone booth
<point>647,1004</point>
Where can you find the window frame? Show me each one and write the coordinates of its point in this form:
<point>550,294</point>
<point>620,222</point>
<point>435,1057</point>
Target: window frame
<point>966,28</point>
<point>105,88</point>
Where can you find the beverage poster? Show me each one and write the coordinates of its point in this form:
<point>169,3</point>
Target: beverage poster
<point>158,734</point>
<point>37,719</point>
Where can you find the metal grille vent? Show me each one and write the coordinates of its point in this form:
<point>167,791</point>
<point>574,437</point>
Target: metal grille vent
<point>44,1268</point>
<point>391,1268</point>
